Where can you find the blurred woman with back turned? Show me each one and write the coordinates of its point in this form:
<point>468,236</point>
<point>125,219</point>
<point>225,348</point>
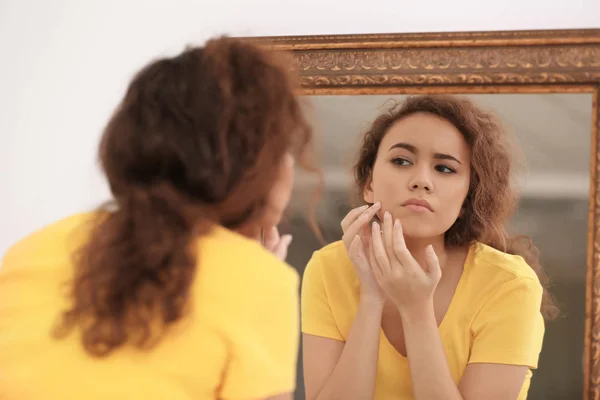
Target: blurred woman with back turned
<point>162,293</point>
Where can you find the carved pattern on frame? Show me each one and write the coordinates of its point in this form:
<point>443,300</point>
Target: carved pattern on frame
<point>520,61</point>
<point>462,66</point>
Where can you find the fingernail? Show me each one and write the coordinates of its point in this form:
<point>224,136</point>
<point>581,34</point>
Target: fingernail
<point>377,204</point>
<point>364,207</point>
<point>396,222</point>
<point>376,226</point>
<point>387,215</point>
<point>430,249</point>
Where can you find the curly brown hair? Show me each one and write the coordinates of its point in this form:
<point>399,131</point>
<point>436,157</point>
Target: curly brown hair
<point>195,142</point>
<point>491,198</point>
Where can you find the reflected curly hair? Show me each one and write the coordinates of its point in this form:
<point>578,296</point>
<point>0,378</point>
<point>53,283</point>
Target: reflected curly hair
<point>196,141</point>
<point>491,198</point>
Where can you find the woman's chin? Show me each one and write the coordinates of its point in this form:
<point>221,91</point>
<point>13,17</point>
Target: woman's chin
<point>418,231</point>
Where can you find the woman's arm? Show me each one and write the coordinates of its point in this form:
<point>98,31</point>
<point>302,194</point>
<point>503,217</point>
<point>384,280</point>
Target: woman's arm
<point>285,396</point>
<point>337,370</point>
<point>492,381</point>
<point>334,369</point>
<point>429,371</point>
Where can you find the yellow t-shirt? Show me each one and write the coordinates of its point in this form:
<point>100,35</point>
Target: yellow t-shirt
<point>239,340</point>
<point>494,316</point>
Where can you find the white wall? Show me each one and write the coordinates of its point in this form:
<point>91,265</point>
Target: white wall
<point>65,64</point>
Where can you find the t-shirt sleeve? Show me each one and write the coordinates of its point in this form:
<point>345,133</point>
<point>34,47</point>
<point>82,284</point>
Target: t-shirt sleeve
<point>264,342</point>
<point>509,328</point>
<point>317,317</point>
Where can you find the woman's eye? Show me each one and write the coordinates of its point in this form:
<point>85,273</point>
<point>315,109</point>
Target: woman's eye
<point>444,169</point>
<point>401,161</point>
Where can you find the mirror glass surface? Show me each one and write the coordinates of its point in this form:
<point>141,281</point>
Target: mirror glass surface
<point>553,133</point>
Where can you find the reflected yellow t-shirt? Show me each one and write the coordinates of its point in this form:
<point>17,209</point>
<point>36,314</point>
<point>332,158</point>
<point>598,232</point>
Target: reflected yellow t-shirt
<point>239,340</point>
<point>494,316</point>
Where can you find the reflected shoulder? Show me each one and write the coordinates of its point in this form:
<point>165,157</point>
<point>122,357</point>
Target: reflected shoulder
<point>502,263</point>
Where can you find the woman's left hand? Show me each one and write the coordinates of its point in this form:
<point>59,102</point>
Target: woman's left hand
<point>404,281</point>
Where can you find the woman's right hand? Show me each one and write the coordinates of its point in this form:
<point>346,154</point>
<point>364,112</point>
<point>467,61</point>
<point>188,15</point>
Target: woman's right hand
<point>357,237</point>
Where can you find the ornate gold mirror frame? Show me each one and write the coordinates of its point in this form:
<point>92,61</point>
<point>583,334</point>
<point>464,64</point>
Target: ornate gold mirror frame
<point>472,62</point>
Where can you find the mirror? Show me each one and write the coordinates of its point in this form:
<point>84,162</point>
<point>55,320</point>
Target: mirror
<point>544,85</point>
<point>553,132</point>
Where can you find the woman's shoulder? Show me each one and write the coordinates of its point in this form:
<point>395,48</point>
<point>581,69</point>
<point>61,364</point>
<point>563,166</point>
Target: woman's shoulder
<point>225,255</point>
<point>331,264</point>
<point>331,256</point>
<point>494,274</point>
<point>55,241</point>
<point>331,250</point>
<point>237,281</point>
<point>493,263</point>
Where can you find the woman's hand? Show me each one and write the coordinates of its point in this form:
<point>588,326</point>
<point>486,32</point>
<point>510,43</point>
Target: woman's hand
<point>404,281</point>
<point>356,240</point>
<point>276,244</point>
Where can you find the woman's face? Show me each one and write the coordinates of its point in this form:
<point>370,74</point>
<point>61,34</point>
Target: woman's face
<point>421,174</point>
